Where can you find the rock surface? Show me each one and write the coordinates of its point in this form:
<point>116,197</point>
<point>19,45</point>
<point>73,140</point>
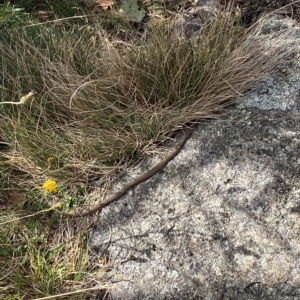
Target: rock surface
<point>222,220</point>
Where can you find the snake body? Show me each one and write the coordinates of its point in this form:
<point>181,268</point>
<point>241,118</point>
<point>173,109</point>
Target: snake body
<point>136,180</point>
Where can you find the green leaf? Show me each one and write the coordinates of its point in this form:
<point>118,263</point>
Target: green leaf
<point>131,10</point>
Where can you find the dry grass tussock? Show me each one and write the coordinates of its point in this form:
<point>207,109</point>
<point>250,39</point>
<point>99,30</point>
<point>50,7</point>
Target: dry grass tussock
<point>99,103</point>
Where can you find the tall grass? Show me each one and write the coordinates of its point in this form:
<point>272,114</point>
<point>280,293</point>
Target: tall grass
<point>99,102</point>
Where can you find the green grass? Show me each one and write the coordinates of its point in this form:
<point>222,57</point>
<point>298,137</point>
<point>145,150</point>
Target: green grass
<point>39,258</point>
<point>103,97</point>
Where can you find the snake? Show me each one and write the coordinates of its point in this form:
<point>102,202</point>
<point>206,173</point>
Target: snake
<point>137,180</point>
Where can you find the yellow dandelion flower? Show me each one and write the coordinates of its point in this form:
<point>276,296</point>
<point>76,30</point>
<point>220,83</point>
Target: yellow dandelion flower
<point>50,185</point>
<point>50,160</point>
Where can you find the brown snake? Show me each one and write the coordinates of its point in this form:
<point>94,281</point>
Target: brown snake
<point>136,180</point>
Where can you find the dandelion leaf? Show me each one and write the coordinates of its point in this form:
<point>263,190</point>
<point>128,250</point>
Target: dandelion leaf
<point>131,10</point>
